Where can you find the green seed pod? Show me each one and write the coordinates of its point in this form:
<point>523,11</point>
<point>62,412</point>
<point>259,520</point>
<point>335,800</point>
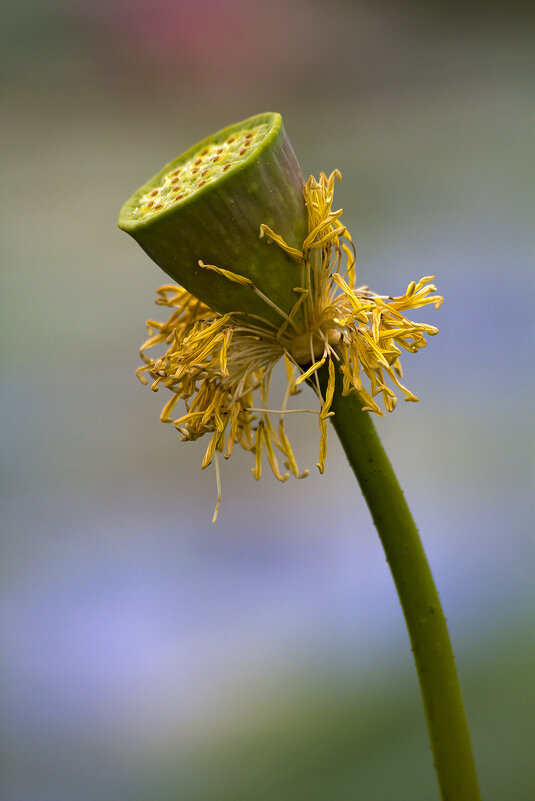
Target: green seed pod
<point>208,204</point>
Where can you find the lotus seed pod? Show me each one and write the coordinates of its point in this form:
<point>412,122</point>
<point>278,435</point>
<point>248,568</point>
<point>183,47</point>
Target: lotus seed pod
<point>208,204</point>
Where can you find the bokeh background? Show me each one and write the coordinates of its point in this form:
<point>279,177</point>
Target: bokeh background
<point>146,653</point>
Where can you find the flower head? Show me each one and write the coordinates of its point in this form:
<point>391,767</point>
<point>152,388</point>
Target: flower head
<point>220,362</point>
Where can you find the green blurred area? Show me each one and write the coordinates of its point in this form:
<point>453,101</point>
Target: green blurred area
<point>328,739</point>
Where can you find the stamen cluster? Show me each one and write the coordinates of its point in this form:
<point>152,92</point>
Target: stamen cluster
<point>218,363</point>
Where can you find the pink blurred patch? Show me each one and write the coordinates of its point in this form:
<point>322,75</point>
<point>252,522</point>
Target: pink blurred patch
<point>230,35</point>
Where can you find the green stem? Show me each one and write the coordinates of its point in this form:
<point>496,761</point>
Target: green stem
<point>431,646</point>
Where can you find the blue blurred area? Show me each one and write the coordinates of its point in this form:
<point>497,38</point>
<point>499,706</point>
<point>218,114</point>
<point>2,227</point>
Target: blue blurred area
<point>146,653</point>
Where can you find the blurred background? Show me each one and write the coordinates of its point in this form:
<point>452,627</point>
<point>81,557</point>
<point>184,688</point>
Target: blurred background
<point>146,653</point>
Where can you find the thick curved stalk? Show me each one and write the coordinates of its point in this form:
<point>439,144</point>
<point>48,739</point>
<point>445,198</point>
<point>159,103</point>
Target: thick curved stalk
<point>431,646</point>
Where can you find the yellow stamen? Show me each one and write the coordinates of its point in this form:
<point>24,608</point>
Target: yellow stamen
<point>295,254</point>
<point>313,369</point>
<point>218,484</point>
